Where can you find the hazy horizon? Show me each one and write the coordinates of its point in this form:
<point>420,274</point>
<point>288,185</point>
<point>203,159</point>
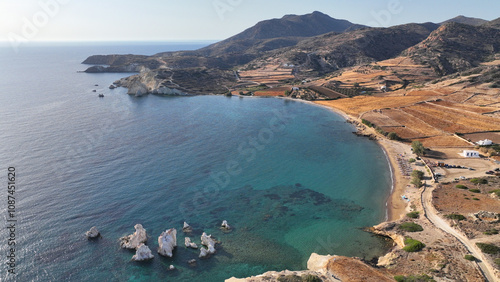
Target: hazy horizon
<point>197,20</point>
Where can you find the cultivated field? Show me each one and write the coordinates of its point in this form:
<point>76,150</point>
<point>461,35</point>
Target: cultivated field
<point>360,104</point>
<point>444,141</point>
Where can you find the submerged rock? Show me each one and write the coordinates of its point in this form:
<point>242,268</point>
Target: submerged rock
<point>206,240</point>
<point>134,240</point>
<point>143,253</point>
<point>171,267</point>
<point>167,241</point>
<point>92,233</point>
<point>189,244</point>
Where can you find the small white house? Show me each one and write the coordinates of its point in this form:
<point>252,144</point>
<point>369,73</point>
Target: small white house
<point>485,142</point>
<point>470,154</point>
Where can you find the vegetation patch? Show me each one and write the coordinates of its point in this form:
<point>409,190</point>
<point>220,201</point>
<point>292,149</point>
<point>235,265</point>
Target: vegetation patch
<point>412,245</point>
<point>460,186</point>
<point>455,216</point>
<point>497,192</point>
<point>416,178</point>
<point>475,190</point>
<point>367,123</point>
<point>497,261</point>
<point>413,214</point>
<point>414,278</point>
<point>479,181</point>
<point>470,257</point>
<point>491,232</point>
<point>488,248</point>
<point>410,227</point>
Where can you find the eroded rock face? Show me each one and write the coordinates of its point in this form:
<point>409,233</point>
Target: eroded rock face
<point>92,233</point>
<point>167,242</point>
<point>388,229</point>
<point>142,253</point>
<point>134,240</point>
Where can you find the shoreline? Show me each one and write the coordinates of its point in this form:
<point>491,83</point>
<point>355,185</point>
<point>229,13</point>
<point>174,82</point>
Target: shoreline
<point>395,208</point>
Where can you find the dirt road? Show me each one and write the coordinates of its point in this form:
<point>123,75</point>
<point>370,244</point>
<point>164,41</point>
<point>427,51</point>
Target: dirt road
<point>432,214</point>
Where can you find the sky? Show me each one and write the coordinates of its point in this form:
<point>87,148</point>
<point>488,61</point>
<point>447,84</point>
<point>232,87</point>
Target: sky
<point>192,20</point>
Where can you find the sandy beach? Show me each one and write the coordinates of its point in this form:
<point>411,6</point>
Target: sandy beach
<point>396,207</point>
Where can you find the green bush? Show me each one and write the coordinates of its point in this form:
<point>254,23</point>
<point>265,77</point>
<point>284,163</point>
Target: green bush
<point>460,186</point>
<point>456,216</point>
<point>497,191</point>
<point>479,181</point>
<point>470,257</point>
<point>491,232</point>
<point>412,245</point>
<point>414,278</point>
<point>412,160</point>
<point>414,214</point>
<point>410,227</point>
<point>488,248</point>
<point>475,190</point>
<point>393,136</point>
<point>497,261</point>
<point>367,123</point>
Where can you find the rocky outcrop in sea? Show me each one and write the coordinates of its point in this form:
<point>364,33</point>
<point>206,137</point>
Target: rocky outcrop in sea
<point>167,242</point>
<point>133,241</point>
<point>142,253</point>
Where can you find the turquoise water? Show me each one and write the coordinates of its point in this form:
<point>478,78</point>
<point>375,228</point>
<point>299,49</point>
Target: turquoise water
<point>291,178</point>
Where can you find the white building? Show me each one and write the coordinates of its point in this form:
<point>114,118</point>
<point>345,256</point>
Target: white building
<point>470,154</point>
<point>484,142</point>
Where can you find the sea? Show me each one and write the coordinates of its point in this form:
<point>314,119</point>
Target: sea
<point>289,177</point>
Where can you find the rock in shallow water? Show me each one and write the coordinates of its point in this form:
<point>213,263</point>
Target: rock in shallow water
<point>189,244</point>
<point>134,240</point>
<point>167,241</point>
<point>143,253</point>
<point>225,225</point>
<point>206,240</point>
<point>92,233</point>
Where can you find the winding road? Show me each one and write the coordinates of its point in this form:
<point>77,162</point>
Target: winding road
<point>432,214</point>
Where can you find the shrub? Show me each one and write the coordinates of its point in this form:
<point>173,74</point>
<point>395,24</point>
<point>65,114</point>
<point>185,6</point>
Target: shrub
<point>412,160</point>
<point>410,227</point>
<point>470,257</point>
<point>412,245</point>
<point>414,278</point>
<point>460,186</point>
<point>414,214</point>
<point>488,248</point>
<point>475,190</point>
<point>392,136</point>
<point>491,232</point>
<point>418,148</point>
<point>367,123</point>
<point>475,199</point>
<point>497,191</point>
<point>497,261</point>
<point>479,181</point>
<point>456,216</point>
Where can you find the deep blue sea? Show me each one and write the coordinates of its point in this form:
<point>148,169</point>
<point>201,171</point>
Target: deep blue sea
<point>290,177</point>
